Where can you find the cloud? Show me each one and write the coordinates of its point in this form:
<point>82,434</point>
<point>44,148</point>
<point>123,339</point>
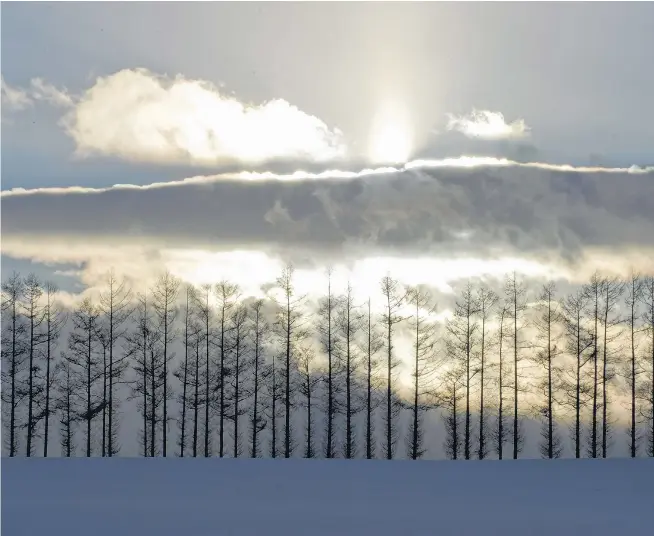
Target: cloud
<point>139,116</point>
<point>487,125</point>
<point>43,91</point>
<point>558,218</point>
<point>14,99</point>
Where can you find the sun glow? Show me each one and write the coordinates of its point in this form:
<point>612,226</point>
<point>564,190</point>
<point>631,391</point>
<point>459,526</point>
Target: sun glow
<point>390,140</point>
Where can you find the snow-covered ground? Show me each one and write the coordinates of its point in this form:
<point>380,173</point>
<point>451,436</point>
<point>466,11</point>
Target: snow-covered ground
<point>200,497</point>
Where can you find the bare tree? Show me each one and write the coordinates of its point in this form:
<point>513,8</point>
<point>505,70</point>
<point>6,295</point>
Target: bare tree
<point>307,385</point>
<point>240,364</point>
<point>65,406</point>
<point>394,298</point>
<point>115,305</point>
<point>349,321</point>
<point>259,332</point>
<point>292,332</point>
<point>327,308</point>
<point>164,296</point>
<point>594,292</point>
<point>34,315</point>
<point>227,294</point>
<point>547,351</point>
<point>13,351</point>
<point>461,344</point>
<point>191,326</point>
<point>515,293</point>
<point>374,342</point>
<point>579,341</point>
<point>500,435</point>
<point>449,398</point>
<point>55,319</point>
<point>646,390</point>
<point>424,364</point>
<point>87,368</point>
<point>634,297</point>
<point>486,301</point>
<point>612,291</point>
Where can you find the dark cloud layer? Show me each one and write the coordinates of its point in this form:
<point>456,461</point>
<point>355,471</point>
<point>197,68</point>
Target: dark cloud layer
<point>414,212</point>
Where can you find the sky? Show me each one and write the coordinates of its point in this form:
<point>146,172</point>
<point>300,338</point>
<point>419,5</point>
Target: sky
<point>205,113</point>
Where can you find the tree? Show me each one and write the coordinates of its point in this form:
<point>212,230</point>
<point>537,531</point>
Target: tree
<point>500,435</point>
<point>55,319</point>
<point>34,317</point>
<point>634,297</point>
<point>515,293</point>
<point>259,331</point>
<point>449,398</point>
<point>164,296</point>
<point>349,323</point>
<point>423,364</point>
<point>64,405</point>
<point>327,308</point>
<point>87,368</point>
<point>646,393</point>
<point>292,332</point>
<point>183,372</point>
<point>115,305</point>
<point>579,341</point>
<point>394,299</point>
<point>461,345</point>
<point>594,291</point>
<point>373,342</point>
<point>486,300</point>
<point>13,351</point>
<point>241,363</point>
<point>612,291</point>
<point>547,351</point>
<point>307,385</point>
<point>227,293</point>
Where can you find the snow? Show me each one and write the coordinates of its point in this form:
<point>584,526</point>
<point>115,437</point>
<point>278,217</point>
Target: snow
<point>211,497</point>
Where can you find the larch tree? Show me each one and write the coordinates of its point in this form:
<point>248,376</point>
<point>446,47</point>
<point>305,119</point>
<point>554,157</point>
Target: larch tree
<point>13,354</point>
<point>372,343</point>
<point>349,323</point>
<point>184,372</point>
<point>259,335</point>
<point>611,321</point>
<point>462,339</point>
<point>86,366</point>
<point>34,315</point>
<point>594,292</point>
<point>394,299</point>
<point>64,405</point>
<point>55,319</point>
<point>424,364</point>
<point>646,390</point>
<point>308,383</point>
<point>164,298</point>
<point>515,296</point>
<point>547,350</point>
<point>579,342</point>
<point>633,300</point>
<point>226,293</point>
<point>326,328</point>
<point>115,306</point>
<point>240,363</point>
<point>500,434</point>
<point>486,301</point>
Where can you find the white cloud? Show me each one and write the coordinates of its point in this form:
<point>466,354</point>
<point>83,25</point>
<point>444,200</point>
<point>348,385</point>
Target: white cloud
<point>42,91</point>
<point>139,116</point>
<point>487,125</point>
<point>14,99</point>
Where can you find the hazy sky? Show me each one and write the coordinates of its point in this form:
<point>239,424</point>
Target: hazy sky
<point>579,75</point>
<point>96,94</point>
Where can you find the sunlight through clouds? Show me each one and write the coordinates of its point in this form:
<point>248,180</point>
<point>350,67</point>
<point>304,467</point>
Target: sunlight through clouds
<point>140,116</point>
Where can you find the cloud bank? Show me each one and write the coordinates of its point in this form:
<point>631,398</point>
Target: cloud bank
<point>550,220</point>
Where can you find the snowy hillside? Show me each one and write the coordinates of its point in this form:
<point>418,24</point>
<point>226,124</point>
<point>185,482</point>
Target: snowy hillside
<point>214,497</point>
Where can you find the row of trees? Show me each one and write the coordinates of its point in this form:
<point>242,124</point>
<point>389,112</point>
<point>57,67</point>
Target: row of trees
<point>211,372</point>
